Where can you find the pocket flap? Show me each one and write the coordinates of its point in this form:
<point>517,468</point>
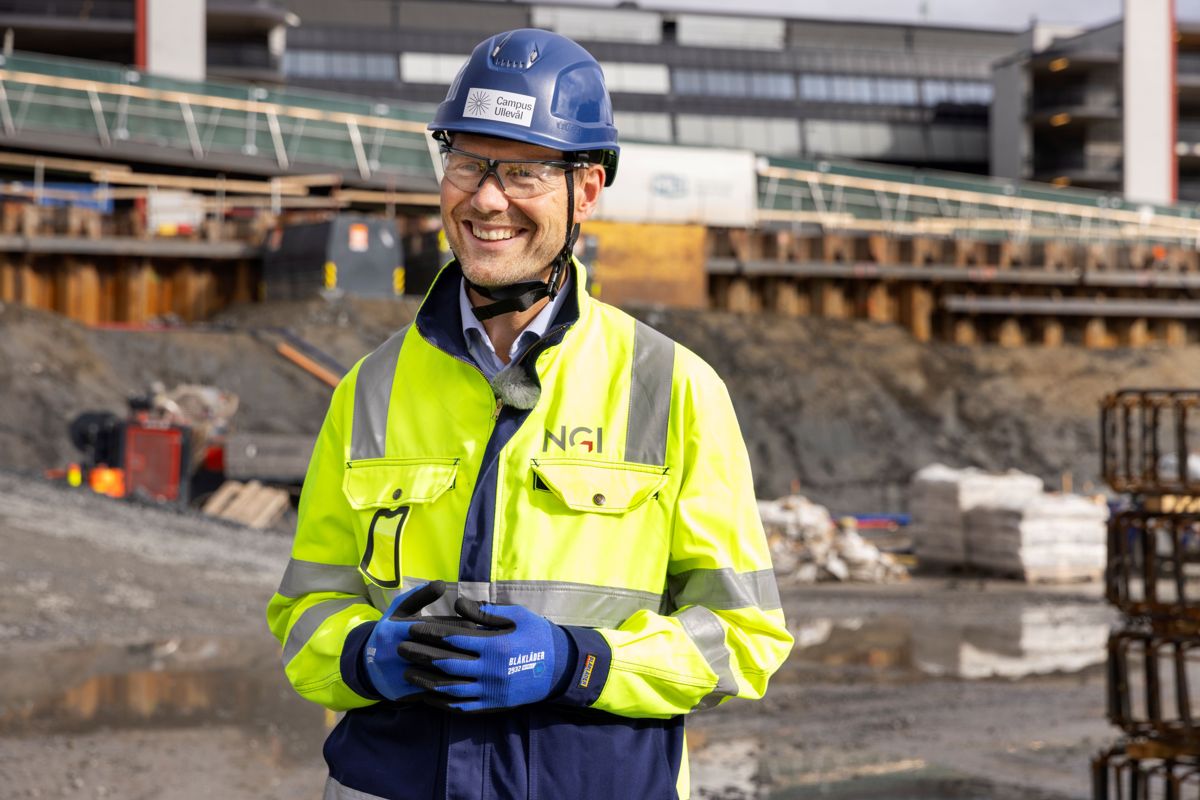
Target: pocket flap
<point>601,487</point>
<point>383,482</point>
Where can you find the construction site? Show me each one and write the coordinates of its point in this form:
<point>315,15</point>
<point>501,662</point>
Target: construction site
<point>970,402</point>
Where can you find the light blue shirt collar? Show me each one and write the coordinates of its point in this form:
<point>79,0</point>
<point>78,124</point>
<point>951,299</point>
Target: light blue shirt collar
<point>480,346</point>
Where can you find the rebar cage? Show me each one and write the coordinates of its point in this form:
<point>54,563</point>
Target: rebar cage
<point>1153,567</point>
<point>1150,441</point>
<point>1142,770</point>
<point>1154,683</point>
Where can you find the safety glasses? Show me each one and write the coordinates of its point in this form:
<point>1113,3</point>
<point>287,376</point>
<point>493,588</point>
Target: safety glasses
<point>520,180</point>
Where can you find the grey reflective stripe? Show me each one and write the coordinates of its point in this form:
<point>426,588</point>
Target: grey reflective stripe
<point>562,602</point>
<point>705,630</point>
<point>311,619</point>
<point>372,396</point>
<point>380,598</point>
<point>336,791</point>
<point>649,396</point>
<point>725,589</point>
<point>303,577</point>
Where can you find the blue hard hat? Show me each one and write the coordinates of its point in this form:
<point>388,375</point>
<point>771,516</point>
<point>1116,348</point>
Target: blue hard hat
<point>534,86</point>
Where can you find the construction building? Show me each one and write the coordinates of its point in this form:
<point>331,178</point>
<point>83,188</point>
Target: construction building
<point>899,94</point>
<point>1115,107</point>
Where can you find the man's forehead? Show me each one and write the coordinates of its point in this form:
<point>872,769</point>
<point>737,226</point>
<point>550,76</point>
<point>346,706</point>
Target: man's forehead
<point>503,148</point>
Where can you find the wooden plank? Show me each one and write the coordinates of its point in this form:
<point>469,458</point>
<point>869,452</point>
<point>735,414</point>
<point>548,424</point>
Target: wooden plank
<point>648,263</point>
<point>788,299</point>
<point>916,311</point>
<point>8,280</point>
<point>829,299</point>
<point>307,364</point>
<point>741,297</point>
<point>225,494</point>
<point>1010,333</point>
<point>879,303</point>
<point>1052,332</point>
<point>1013,254</point>
<point>272,503</point>
<point>965,332</point>
<point>1095,333</point>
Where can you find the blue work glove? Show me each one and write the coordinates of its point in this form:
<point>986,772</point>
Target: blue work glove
<point>509,656</point>
<point>381,659</point>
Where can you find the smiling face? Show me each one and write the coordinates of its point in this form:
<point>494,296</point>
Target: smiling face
<point>500,241</point>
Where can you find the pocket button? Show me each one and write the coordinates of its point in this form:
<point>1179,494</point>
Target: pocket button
<point>396,494</point>
<point>599,499</point>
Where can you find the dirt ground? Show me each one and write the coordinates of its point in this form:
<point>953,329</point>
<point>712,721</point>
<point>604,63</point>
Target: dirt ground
<point>135,663</point>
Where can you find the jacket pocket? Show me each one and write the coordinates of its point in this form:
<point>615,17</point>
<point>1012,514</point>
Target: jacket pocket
<point>385,492</point>
<point>600,487</point>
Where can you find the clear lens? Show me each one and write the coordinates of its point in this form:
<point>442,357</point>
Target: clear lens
<point>519,179</point>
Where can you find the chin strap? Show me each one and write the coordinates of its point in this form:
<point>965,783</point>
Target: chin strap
<point>522,296</point>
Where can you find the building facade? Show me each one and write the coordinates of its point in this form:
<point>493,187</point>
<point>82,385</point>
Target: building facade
<point>901,94</point>
<point>1114,107</point>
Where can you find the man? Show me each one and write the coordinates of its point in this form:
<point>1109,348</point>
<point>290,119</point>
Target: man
<point>527,502</point>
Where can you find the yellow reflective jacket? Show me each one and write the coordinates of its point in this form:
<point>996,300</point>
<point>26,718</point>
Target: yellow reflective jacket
<point>601,480</point>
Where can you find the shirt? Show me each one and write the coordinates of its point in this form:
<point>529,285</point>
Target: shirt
<point>480,346</point>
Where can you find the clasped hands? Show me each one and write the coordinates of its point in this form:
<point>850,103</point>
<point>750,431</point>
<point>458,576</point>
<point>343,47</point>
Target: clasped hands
<point>490,656</point>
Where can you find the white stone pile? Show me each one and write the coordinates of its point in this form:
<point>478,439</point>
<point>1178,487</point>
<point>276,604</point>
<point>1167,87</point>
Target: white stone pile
<point>807,546</point>
<point>942,495</point>
<point>1005,523</point>
<point>1051,537</point>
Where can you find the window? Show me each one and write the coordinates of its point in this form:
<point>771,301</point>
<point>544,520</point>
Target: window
<point>337,64</point>
<point>637,78</point>
<point>762,135</point>
<point>437,68</point>
<point>734,83</point>
<point>896,91</point>
<point>934,92</point>
<point>850,89</point>
<point>643,126</point>
<point>815,88</point>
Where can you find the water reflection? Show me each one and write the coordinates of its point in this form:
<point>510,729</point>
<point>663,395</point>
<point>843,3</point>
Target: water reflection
<point>171,683</point>
<point>1012,639</point>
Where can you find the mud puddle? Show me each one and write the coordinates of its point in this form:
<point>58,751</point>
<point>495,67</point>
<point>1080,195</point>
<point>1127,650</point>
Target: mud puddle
<point>1011,638</point>
<point>174,683</point>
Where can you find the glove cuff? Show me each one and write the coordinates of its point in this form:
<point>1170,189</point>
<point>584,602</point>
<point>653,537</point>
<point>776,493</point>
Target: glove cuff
<point>566,654</point>
<point>591,660</point>
<point>353,664</point>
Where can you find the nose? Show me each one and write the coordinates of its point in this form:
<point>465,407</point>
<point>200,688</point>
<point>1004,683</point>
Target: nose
<point>490,197</point>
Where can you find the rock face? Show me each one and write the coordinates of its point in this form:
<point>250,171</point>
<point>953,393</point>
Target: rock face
<point>843,411</point>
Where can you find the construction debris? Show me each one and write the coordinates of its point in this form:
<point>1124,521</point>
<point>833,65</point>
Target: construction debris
<point>807,546</point>
<point>250,504</point>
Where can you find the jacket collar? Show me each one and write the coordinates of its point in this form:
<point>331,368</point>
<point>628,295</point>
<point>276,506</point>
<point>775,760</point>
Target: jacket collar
<point>439,320</point>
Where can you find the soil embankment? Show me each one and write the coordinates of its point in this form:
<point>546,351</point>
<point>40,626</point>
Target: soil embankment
<point>844,410</point>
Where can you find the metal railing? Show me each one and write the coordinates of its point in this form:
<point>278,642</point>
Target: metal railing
<point>105,104</point>
<point>841,196</point>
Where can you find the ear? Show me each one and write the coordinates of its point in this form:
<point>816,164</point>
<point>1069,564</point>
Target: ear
<point>589,182</point>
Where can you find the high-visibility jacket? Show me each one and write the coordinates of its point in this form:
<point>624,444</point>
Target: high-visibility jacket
<point>600,480</point>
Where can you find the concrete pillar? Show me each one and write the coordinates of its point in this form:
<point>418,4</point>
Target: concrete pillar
<point>1149,104</point>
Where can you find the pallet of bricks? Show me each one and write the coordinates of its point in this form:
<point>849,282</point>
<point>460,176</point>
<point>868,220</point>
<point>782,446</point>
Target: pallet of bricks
<point>1150,450</point>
